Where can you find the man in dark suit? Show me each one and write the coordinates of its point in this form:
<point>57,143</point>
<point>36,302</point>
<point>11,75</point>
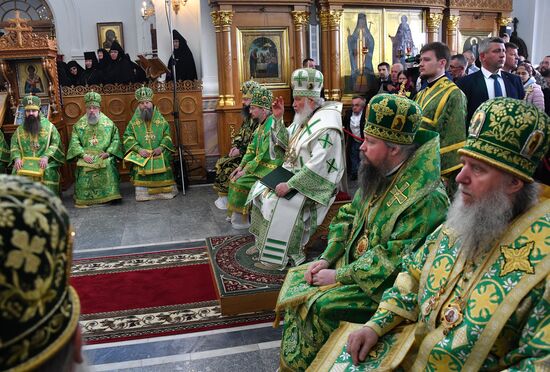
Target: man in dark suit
<point>354,123</point>
<point>490,81</point>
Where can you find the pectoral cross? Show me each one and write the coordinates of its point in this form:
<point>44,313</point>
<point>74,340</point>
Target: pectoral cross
<point>93,141</point>
<point>150,136</point>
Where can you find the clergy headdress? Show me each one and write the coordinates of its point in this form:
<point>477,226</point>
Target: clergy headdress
<point>262,97</point>
<point>38,309</point>
<point>248,87</point>
<point>393,118</point>
<point>144,94</point>
<point>92,99</point>
<point>307,82</point>
<point>31,102</point>
<point>510,135</point>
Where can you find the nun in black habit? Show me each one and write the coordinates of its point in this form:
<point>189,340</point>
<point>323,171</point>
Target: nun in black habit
<point>119,70</point>
<point>185,64</point>
<point>91,75</point>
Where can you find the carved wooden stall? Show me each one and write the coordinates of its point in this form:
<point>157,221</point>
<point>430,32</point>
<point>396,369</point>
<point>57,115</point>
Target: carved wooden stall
<point>27,64</point>
<point>119,103</point>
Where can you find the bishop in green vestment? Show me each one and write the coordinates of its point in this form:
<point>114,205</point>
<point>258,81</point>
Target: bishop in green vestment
<point>443,108</point>
<point>95,145</point>
<point>263,154</point>
<point>35,149</point>
<point>400,201</point>
<point>227,164</point>
<point>4,153</point>
<point>149,148</point>
<point>476,296</point>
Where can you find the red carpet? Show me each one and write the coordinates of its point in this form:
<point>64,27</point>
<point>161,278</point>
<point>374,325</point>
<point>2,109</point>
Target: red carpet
<point>151,294</point>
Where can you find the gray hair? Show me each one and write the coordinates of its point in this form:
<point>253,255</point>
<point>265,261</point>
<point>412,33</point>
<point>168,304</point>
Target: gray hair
<point>318,101</point>
<point>484,44</point>
<point>525,198</point>
<point>406,150</point>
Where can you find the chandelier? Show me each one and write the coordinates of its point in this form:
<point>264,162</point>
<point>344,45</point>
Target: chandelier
<point>177,4</point>
<point>147,9</point>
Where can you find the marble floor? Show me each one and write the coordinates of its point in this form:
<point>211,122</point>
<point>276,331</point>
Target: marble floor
<point>132,227</point>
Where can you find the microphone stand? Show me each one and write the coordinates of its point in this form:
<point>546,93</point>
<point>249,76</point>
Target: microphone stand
<point>175,112</point>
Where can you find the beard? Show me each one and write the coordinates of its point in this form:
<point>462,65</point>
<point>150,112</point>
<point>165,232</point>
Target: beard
<point>245,112</point>
<point>32,124</point>
<point>92,118</point>
<point>479,224</point>
<point>302,117</point>
<point>146,114</point>
<point>372,179</point>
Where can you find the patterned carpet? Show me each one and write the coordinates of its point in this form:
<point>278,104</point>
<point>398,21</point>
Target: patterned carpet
<point>151,294</point>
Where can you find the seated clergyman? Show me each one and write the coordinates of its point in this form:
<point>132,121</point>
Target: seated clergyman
<point>476,295</point>
<point>400,201</point>
<point>36,150</point>
<point>264,153</point>
<point>149,148</point>
<point>227,164</point>
<point>95,144</point>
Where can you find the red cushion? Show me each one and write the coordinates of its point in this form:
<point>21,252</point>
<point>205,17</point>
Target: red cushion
<point>342,196</point>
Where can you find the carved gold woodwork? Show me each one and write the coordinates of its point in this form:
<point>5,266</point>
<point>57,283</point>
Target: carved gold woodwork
<point>324,18</point>
<point>434,21</point>
<point>222,20</point>
<point>453,22</point>
<point>491,5</point>
<point>225,17</point>
<point>300,17</point>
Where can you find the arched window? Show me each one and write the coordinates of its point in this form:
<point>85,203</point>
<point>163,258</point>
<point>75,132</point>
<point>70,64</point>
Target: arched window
<point>38,11</point>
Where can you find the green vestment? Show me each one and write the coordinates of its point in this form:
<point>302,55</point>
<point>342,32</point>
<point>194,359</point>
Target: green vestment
<point>227,164</point>
<point>46,144</point>
<point>444,111</point>
<point>263,154</point>
<point>4,153</point>
<point>503,317</point>
<point>149,136</point>
<point>367,240</point>
<point>98,182</point>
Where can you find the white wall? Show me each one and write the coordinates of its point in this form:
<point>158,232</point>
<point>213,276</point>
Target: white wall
<point>532,15</point>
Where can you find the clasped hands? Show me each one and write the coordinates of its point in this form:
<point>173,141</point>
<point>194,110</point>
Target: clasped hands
<point>88,159</point>
<point>146,153</point>
<point>319,274</point>
<point>236,174</point>
<point>18,163</point>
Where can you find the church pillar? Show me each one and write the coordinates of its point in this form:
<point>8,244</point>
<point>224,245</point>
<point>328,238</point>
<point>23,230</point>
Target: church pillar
<point>325,50</point>
<point>435,17</point>
<point>503,22</point>
<point>334,24</point>
<point>452,31</point>
<point>301,21</point>
<point>222,20</point>
<point>219,49</point>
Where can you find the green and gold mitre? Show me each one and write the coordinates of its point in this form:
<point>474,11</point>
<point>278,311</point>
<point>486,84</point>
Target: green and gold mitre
<point>38,308</point>
<point>248,87</point>
<point>31,102</point>
<point>92,99</point>
<point>509,134</point>
<point>393,118</point>
<point>144,94</point>
<point>262,97</point>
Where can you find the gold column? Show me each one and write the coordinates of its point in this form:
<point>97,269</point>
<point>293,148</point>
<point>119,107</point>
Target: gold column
<point>504,21</point>
<point>325,49</point>
<point>219,48</point>
<point>222,20</point>
<point>301,21</point>
<point>334,24</point>
<point>452,32</point>
<point>434,22</point>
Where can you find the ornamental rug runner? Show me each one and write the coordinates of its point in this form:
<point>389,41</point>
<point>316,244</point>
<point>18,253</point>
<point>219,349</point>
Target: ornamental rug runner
<point>243,283</point>
<point>150,294</point>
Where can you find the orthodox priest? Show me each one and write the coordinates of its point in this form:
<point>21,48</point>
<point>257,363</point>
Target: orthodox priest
<point>476,295</point>
<point>400,201</point>
<point>263,154</point>
<point>4,153</point>
<point>35,149</point>
<point>315,156</point>
<point>227,164</point>
<point>149,148</point>
<point>443,108</point>
<point>95,145</point>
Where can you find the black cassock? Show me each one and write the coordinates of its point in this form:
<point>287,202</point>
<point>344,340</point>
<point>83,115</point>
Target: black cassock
<point>185,64</point>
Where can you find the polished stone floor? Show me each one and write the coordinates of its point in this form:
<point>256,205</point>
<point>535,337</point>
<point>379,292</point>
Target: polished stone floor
<point>132,227</point>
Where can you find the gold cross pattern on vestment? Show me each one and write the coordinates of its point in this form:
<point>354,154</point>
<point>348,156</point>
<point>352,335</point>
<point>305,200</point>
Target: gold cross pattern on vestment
<point>398,194</point>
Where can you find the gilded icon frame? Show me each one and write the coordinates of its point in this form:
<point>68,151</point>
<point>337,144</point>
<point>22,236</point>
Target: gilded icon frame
<point>38,84</point>
<point>264,56</point>
<point>117,31</point>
